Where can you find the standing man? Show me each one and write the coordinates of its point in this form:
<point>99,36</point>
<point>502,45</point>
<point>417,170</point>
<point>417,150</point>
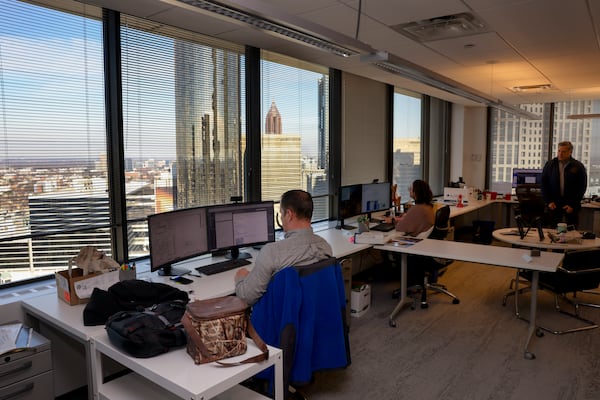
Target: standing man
<point>299,247</point>
<point>564,181</point>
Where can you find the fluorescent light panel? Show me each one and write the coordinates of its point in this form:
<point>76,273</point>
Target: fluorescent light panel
<point>583,116</point>
<point>271,26</point>
<point>421,77</point>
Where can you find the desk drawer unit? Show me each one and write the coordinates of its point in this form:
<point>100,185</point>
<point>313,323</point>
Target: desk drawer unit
<point>27,374</point>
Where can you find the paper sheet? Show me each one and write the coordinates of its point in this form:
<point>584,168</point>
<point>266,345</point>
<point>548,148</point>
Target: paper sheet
<point>8,336</point>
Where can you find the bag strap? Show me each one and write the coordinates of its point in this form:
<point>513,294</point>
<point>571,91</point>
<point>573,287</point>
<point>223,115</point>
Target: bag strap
<point>187,324</point>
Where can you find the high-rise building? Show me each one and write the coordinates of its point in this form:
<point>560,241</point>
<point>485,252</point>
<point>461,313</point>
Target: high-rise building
<point>524,143</point>
<point>323,134</point>
<point>208,131</point>
<point>273,121</point>
<point>281,165</point>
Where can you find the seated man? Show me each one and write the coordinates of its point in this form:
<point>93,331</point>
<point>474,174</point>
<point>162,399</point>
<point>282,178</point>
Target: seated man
<point>300,247</point>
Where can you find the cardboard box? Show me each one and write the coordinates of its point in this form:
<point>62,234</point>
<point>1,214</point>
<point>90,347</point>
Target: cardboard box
<point>360,299</point>
<point>77,288</point>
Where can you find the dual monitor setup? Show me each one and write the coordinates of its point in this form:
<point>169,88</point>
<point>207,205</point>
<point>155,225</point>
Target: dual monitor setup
<point>179,235</point>
<point>364,198</point>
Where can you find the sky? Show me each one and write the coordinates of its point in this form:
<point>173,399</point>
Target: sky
<point>51,85</point>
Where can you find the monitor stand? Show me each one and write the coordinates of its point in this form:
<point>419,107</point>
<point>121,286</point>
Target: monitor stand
<point>173,271</point>
<point>235,254</point>
<point>341,225</point>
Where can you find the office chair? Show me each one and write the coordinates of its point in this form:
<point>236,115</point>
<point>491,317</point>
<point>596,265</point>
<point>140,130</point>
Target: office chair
<point>303,312</point>
<point>428,269</point>
<point>579,273</point>
<point>531,211</point>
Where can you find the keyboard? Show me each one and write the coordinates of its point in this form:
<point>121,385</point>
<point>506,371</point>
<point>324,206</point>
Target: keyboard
<point>222,266</point>
<point>383,227</point>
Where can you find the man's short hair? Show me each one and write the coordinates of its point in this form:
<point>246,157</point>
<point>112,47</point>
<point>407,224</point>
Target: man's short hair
<point>566,143</point>
<point>298,201</point>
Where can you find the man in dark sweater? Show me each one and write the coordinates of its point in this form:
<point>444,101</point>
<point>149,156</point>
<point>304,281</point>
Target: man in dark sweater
<point>564,181</point>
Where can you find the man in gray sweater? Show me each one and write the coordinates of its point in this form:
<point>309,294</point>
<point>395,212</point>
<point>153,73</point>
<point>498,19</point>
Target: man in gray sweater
<point>299,247</point>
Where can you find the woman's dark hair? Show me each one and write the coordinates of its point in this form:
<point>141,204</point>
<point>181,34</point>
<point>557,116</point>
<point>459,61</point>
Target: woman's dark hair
<point>422,192</point>
<point>299,201</point>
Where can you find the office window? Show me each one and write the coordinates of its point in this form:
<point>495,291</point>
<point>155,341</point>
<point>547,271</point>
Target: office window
<point>295,130</point>
<point>578,131</point>
<point>53,141</point>
<point>183,122</point>
<point>406,148</point>
<point>509,137</point>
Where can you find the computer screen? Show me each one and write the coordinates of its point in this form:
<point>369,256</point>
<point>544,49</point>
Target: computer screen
<point>176,236</point>
<point>232,226</point>
<point>349,203</point>
<point>526,176</point>
<point>376,197</point>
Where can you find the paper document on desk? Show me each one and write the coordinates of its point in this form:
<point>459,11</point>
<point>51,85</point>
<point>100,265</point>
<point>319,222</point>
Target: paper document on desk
<point>370,237</point>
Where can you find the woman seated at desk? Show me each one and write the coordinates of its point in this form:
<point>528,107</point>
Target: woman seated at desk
<point>420,217</point>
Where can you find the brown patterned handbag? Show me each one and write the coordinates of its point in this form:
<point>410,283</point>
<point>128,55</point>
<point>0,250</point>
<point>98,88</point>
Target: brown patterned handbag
<point>216,329</point>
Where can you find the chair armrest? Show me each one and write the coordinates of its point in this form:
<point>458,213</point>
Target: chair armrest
<point>580,271</point>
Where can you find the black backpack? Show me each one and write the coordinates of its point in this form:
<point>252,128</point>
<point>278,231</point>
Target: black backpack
<point>150,332</point>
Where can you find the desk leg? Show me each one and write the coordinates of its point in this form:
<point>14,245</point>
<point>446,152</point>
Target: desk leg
<point>532,314</point>
<point>279,389</point>
<point>404,300</point>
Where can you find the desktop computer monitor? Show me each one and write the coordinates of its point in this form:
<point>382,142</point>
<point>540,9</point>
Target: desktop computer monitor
<point>349,203</point>
<point>175,236</point>
<point>232,226</point>
<point>375,197</point>
<point>523,176</point>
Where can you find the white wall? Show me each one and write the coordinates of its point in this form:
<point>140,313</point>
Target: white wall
<point>364,130</point>
<point>469,145</point>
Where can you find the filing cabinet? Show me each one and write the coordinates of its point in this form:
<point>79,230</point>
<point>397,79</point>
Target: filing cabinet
<point>26,373</point>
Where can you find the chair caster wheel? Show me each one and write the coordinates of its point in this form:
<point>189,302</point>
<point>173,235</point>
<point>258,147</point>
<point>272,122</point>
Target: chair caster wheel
<point>455,301</point>
<point>392,323</point>
<point>425,305</point>
<point>529,355</point>
<point>539,332</point>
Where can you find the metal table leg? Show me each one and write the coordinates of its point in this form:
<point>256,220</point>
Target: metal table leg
<point>404,300</point>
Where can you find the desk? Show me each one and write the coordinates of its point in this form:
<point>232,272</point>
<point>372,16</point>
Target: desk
<point>69,320</point>
<point>482,254</point>
<point>176,373</point>
<point>507,235</point>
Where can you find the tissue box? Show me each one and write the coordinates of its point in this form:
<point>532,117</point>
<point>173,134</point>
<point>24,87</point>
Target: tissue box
<point>360,299</point>
<point>77,289</point>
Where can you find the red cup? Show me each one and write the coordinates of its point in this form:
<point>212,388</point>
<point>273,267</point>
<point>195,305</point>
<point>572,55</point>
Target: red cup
<point>507,196</point>
<point>494,195</point>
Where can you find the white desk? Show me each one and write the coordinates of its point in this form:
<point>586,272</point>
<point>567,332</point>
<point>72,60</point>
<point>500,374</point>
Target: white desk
<point>176,372</point>
<point>532,240</point>
<point>482,254</point>
<point>69,320</point>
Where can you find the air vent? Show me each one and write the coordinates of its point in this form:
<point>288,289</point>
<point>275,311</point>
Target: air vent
<point>439,28</point>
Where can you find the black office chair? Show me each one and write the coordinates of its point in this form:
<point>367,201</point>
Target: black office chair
<point>531,211</point>
<point>428,269</point>
<point>579,273</point>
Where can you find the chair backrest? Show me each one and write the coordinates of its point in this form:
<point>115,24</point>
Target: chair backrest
<point>531,202</point>
<point>580,271</point>
<point>441,224</point>
<point>303,311</point>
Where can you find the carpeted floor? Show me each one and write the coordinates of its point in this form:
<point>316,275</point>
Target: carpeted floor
<point>473,350</point>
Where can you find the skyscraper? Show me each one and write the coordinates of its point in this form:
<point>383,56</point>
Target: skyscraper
<point>208,131</point>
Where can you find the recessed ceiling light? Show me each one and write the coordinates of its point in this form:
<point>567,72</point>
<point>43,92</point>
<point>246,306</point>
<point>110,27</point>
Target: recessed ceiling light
<point>532,88</point>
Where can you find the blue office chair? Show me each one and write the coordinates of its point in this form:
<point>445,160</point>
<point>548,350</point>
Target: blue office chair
<point>303,312</point>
